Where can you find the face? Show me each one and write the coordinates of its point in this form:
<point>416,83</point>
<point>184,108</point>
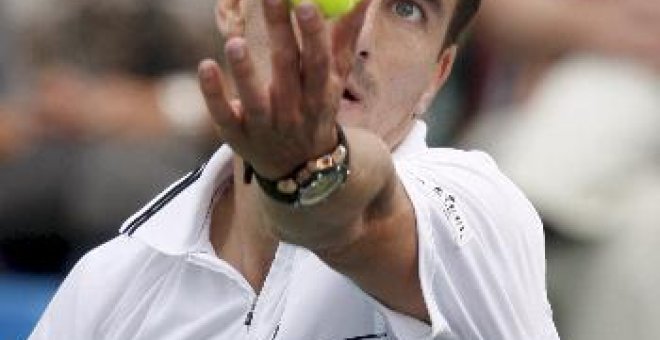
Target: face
<point>399,62</point>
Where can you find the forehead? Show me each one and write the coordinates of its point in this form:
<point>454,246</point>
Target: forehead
<point>443,7</point>
<point>441,13</point>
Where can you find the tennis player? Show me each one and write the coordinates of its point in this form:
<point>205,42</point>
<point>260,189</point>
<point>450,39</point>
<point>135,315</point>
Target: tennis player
<point>324,215</point>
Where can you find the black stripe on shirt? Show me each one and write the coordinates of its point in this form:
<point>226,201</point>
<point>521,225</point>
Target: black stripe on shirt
<point>163,200</point>
<point>369,336</point>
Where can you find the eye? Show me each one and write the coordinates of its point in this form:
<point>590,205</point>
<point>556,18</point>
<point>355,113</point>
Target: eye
<point>407,10</point>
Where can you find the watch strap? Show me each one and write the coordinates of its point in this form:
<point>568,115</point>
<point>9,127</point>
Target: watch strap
<point>287,188</point>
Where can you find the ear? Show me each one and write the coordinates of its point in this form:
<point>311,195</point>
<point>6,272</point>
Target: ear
<point>230,18</point>
<point>443,69</point>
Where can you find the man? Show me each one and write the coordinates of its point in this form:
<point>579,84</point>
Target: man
<point>301,228</point>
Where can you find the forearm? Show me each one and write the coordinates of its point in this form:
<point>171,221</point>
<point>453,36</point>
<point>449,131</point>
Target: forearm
<point>365,231</point>
<point>341,218</point>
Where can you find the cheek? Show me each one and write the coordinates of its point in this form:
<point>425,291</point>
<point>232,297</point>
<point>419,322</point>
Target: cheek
<point>405,80</point>
<point>406,64</point>
<point>404,73</point>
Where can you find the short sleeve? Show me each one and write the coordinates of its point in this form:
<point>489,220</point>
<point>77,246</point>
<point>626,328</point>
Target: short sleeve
<point>88,294</point>
<point>58,321</point>
<point>481,251</point>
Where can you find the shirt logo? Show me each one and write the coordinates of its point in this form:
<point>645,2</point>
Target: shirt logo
<point>456,220</point>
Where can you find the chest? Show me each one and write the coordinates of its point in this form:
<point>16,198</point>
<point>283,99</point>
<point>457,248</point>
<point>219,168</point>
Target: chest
<point>301,300</point>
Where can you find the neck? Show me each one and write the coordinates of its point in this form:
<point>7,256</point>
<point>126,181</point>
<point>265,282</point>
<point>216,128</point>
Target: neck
<point>238,231</point>
<point>395,137</point>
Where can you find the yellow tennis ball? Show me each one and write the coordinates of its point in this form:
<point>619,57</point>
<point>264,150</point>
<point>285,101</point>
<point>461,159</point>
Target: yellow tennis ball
<point>331,8</point>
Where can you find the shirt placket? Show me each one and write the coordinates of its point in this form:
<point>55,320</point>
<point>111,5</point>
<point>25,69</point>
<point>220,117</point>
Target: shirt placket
<point>263,310</point>
<point>267,308</point>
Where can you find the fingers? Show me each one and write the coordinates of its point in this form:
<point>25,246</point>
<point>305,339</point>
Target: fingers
<point>285,60</point>
<point>345,35</point>
<point>315,52</point>
<point>210,78</point>
<point>301,81</point>
<point>283,45</point>
<point>641,9</point>
<point>248,86</point>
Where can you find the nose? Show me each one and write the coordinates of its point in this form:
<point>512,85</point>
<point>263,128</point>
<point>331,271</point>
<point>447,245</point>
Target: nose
<point>365,43</point>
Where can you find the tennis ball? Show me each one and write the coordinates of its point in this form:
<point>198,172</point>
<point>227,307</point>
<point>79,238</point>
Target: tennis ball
<point>331,8</point>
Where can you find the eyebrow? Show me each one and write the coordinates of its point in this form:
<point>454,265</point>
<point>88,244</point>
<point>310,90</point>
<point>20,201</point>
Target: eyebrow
<point>438,5</point>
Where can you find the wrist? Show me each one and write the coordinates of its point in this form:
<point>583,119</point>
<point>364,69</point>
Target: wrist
<point>310,182</point>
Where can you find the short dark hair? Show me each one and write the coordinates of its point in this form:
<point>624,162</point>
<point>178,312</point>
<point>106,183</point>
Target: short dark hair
<point>465,11</point>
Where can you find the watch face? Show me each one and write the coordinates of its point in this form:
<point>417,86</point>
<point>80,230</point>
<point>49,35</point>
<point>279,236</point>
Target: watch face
<point>323,186</point>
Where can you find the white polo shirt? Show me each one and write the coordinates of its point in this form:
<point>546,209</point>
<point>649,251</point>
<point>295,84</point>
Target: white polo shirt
<point>481,265</point>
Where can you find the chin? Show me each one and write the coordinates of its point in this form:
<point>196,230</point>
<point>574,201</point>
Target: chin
<point>351,119</point>
<point>351,114</point>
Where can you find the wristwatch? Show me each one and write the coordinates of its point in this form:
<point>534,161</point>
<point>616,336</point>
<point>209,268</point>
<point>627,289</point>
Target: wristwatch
<point>312,182</point>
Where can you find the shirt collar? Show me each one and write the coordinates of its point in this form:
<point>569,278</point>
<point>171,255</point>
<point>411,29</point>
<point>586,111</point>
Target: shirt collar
<point>414,142</point>
<point>177,221</point>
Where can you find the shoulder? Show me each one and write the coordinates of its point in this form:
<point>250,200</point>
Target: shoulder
<point>433,163</point>
<point>480,244</point>
<point>90,293</point>
<point>464,196</point>
<point>114,260</point>
<point>470,178</point>
<point>111,270</point>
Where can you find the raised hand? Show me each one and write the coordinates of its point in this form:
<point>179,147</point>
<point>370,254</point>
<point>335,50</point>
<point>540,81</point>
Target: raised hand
<point>280,125</point>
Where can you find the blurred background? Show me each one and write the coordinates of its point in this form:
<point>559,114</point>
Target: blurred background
<point>99,110</point>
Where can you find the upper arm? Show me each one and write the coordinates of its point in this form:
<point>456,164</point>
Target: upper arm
<point>383,261</point>
<point>461,248</point>
<point>481,249</point>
